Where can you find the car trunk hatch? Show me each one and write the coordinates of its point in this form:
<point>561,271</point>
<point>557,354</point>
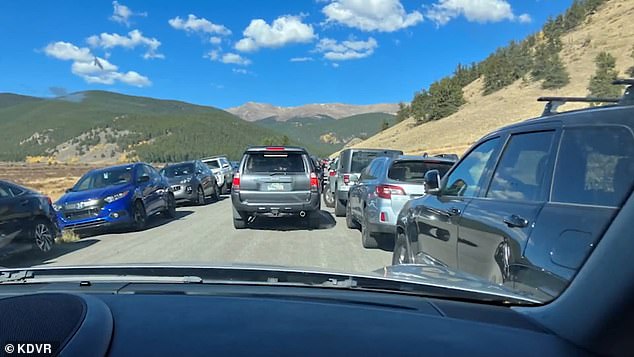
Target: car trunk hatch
<point>271,177</point>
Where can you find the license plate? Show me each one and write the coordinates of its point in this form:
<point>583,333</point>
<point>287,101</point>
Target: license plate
<point>276,186</point>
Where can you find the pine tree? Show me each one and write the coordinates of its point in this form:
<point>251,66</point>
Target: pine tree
<point>403,112</point>
<point>601,83</point>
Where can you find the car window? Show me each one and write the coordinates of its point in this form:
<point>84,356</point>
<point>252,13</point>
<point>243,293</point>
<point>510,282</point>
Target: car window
<point>520,171</point>
<point>464,180</point>
<point>361,159</point>
<point>16,191</point>
<point>275,162</point>
<point>414,171</point>
<point>5,192</point>
<point>367,173</point>
<point>594,166</point>
<point>213,164</point>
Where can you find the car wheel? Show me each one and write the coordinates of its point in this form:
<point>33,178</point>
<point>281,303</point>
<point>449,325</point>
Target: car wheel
<point>214,195</point>
<point>139,216</point>
<point>200,197</point>
<point>43,236</point>
<point>402,252</point>
<point>223,188</point>
<point>340,209</point>
<point>350,222</point>
<point>170,210</point>
<point>329,197</point>
<point>367,240</point>
<point>239,219</point>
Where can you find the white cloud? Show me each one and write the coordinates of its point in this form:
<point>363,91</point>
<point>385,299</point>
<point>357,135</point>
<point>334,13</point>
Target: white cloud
<point>371,15</point>
<point>133,39</point>
<point>215,40</point>
<point>346,50</point>
<point>234,58</point>
<point>481,11</point>
<point>91,68</point>
<point>122,13</point>
<point>301,59</point>
<point>67,51</point>
<point>240,71</point>
<point>213,55</point>
<point>284,30</point>
<point>195,24</point>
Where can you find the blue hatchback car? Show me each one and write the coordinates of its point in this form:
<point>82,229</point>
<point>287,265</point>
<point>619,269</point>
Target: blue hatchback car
<point>123,195</point>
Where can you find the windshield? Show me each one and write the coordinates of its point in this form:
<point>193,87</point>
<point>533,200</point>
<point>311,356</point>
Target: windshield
<point>289,104</point>
<point>178,170</point>
<point>104,178</point>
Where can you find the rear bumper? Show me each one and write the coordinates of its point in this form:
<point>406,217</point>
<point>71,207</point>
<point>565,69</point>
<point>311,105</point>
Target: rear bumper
<point>273,207</point>
<point>342,195</point>
<point>383,228</point>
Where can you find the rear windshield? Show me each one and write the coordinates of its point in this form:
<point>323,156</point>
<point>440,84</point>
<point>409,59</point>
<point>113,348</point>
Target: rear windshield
<point>361,159</point>
<point>414,171</point>
<point>274,162</point>
<point>178,170</point>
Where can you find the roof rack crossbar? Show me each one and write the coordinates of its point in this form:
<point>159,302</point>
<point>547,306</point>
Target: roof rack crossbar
<point>556,102</point>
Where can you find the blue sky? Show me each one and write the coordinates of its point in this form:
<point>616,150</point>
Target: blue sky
<point>230,52</point>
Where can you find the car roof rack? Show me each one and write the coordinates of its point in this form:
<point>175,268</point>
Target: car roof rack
<point>555,102</point>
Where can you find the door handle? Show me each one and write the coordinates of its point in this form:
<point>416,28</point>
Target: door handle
<point>454,211</point>
<point>515,221</point>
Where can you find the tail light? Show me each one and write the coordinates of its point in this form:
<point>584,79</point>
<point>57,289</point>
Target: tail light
<point>383,217</point>
<point>235,185</point>
<point>314,182</point>
<point>387,191</point>
<point>275,148</point>
<point>48,199</point>
<point>332,173</point>
<point>346,179</point>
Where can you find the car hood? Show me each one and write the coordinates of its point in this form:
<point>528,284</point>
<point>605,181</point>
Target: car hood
<point>93,194</point>
<point>448,278</point>
<point>177,179</point>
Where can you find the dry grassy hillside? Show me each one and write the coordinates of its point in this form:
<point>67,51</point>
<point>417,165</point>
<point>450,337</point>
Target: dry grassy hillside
<point>610,29</point>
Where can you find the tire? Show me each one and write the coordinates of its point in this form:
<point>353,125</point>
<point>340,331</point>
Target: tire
<point>223,188</point>
<point>214,195</point>
<point>139,216</point>
<point>239,221</point>
<point>367,240</point>
<point>402,252</point>
<point>340,209</point>
<point>200,196</point>
<point>329,197</point>
<point>350,222</point>
<point>43,236</point>
<point>170,210</point>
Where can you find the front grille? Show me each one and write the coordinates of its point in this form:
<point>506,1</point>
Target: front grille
<point>82,214</point>
<point>176,188</point>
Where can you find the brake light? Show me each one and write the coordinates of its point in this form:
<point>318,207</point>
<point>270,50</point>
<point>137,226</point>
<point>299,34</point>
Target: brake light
<point>386,191</point>
<point>346,179</point>
<point>314,182</point>
<point>332,173</point>
<point>275,148</point>
<point>383,217</point>
<point>48,199</point>
<point>235,185</point>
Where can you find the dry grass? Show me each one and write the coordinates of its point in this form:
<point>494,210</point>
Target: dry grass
<point>68,237</point>
<point>610,29</point>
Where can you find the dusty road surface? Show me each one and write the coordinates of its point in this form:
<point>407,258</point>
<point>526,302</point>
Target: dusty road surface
<point>205,234</point>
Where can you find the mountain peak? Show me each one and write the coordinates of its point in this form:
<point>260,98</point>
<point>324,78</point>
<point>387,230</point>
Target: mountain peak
<point>253,111</point>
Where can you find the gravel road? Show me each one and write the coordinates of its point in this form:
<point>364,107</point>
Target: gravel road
<point>205,235</point>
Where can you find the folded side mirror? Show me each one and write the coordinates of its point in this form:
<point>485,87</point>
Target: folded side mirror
<point>432,182</point>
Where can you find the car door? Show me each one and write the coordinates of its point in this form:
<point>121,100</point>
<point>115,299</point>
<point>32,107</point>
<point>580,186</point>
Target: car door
<point>368,197</point>
<point>226,170</point>
<point>204,175</point>
<point>147,188</point>
<point>494,228</point>
<point>355,193</point>
<point>8,222</point>
<point>437,216</point>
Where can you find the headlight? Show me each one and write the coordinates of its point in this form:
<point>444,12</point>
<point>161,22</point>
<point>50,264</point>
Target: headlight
<point>115,197</point>
<point>56,207</point>
<point>186,180</point>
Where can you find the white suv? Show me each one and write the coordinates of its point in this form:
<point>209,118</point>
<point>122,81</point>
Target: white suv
<point>221,168</point>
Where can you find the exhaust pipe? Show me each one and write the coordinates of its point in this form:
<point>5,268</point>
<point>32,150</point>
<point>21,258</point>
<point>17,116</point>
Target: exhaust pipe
<point>302,214</point>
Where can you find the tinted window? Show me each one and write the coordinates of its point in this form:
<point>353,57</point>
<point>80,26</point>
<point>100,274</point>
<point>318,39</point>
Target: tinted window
<point>520,172</point>
<point>104,178</point>
<point>414,171</point>
<point>594,166</point>
<point>464,180</point>
<point>4,191</point>
<point>16,191</point>
<point>178,170</point>
<point>361,159</point>
<point>275,162</point>
<point>213,164</point>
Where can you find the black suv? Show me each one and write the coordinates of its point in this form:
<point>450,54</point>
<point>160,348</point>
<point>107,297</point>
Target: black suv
<point>527,203</point>
<point>275,181</point>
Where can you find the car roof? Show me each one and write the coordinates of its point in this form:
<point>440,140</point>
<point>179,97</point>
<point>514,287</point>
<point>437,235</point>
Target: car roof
<point>276,148</point>
<point>215,157</point>
<point>423,158</point>
<point>181,163</point>
<point>372,150</point>
<point>122,166</point>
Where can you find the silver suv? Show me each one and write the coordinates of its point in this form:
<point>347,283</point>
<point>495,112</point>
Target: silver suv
<point>222,170</point>
<point>275,181</point>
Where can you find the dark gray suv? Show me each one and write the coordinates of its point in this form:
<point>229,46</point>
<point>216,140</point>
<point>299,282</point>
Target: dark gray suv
<point>526,204</point>
<point>275,181</point>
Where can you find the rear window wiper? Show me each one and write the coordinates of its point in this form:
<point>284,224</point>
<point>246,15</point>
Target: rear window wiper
<point>278,173</point>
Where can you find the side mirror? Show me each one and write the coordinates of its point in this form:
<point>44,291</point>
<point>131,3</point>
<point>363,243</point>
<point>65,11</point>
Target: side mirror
<point>432,182</point>
<point>68,190</point>
<point>144,179</point>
